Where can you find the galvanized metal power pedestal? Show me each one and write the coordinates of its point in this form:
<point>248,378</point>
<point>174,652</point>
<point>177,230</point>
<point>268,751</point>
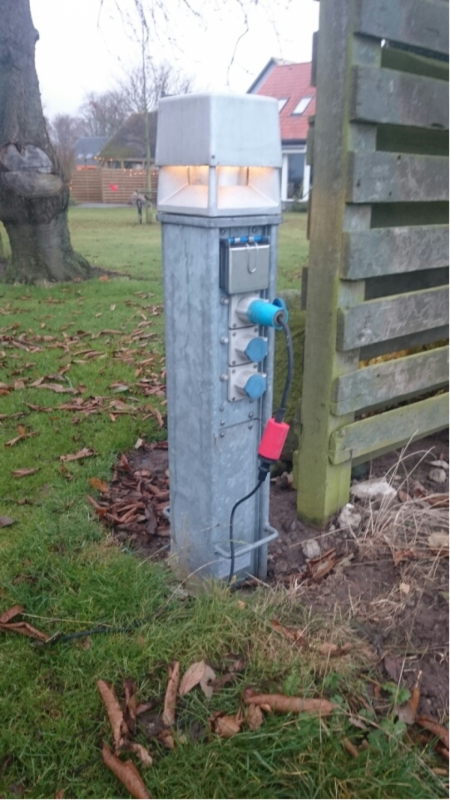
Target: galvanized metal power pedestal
<point>219,159</point>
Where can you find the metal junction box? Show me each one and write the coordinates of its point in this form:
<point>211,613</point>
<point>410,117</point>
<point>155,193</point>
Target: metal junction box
<point>219,162</point>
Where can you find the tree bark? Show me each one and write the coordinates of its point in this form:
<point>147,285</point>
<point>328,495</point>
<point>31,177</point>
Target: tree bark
<point>34,196</point>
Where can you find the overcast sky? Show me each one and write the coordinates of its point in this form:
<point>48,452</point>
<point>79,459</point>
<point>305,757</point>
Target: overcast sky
<point>79,51</point>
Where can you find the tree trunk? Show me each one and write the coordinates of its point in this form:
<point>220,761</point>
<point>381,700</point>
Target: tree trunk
<point>33,194</point>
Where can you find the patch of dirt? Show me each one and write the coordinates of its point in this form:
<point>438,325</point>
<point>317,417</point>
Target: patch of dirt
<point>381,575</point>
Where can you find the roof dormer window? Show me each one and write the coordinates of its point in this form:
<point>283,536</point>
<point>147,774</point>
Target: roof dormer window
<point>282,102</point>
<point>302,106</point>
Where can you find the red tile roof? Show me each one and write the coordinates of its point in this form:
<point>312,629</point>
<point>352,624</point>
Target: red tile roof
<point>291,82</point>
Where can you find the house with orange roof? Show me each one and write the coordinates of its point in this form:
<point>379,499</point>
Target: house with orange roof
<point>290,84</point>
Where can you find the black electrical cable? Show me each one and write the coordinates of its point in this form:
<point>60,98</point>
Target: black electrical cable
<point>233,511</point>
<point>279,416</point>
<point>59,637</point>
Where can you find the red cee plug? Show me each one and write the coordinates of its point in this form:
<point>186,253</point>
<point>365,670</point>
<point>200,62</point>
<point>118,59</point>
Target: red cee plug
<point>272,442</point>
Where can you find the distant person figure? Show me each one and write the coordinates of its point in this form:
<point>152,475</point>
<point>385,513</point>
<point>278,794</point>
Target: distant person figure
<point>139,199</point>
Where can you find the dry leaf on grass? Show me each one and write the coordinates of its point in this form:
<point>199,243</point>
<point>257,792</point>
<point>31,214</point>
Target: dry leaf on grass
<point>170,698</point>
<point>98,484</point>
<point>142,754</point>
<point>20,438</point>
<point>127,773</point>
<point>115,714</point>
<point>408,711</point>
<point>403,555</point>
<point>285,704</point>
<point>55,387</point>
<point>254,717</point>
<point>20,627</point>
<point>443,751</point>
<point>438,542</point>
<point>86,452</point>
<point>437,500</point>
<point>22,473</point>
<point>166,737</point>
<point>11,613</point>
<point>333,650</point>
<point>207,681</point>
<point>351,749</point>
<point>130,707</point>
<point>5,521</point>
<point>294,635</point>
<point>192,677</point>
<point>434,727</point>
<point>226,725</point>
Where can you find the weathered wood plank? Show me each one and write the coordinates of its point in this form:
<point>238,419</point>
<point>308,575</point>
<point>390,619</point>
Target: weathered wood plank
<point>396,178</point>
<point>315,44</point>
<point>388,251</point>
<point>394,58</point>
<point>400,315</point>
<point>325,488</point>
<point>421,23</point>
<point>390,380</point>
<point>437,336</point>
<point>310,142</point>
<point>389,430</point>
<point>387,96</point>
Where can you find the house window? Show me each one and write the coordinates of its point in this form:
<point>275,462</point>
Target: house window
<point>296,165</point>
<point>281,103</point>
<point>302,105</point>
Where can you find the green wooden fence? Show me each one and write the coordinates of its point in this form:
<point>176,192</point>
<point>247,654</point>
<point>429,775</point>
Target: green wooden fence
<point>378,272</point>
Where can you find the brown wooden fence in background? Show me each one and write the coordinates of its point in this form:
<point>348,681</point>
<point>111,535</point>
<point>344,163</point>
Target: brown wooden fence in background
<point>103,185</point>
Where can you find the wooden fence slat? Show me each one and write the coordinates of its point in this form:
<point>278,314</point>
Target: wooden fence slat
<point>396,178</point>
<point>389,430</point>
<point>389,251</point>
<point>421,23</point>
<point>379,383</point>
<point>388,318</point>
<point>387,96</point>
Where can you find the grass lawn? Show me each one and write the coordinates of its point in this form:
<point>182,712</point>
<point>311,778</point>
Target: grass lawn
<point>57,561</point>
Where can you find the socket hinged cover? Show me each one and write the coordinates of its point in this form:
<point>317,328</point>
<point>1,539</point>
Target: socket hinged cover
<point>245,268</point>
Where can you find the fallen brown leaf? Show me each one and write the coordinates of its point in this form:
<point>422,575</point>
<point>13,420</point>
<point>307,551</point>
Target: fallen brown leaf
<point>59,795</point>
<point>437,500</point>
<point>19,438</point>
<point>118,724</point>
<point>98,484</point>
<point>434,727</point>
<point>443,751</point>
<point>127,773</point>
<point>226,725</point>
<point>192,677</point>
<point>408,711</point>
<point>285,704</point>
<point>130,708</point>
<point>403,555</point>
<point>171,694</point>
<point>439,543</point>
<point>25,629</point>
<point>86,452</point>
<point>319,567</point>
<point>254,717</point>
<point>166,737</point>
<point>11,613</point>
<point>22,473</point>
<point>5,521</point>
<point>207,680</point>
<point>333,650</point>
<point>55,387</point>
<point>294,635</point>
<point>142,753</point>
<point>351,749</point>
